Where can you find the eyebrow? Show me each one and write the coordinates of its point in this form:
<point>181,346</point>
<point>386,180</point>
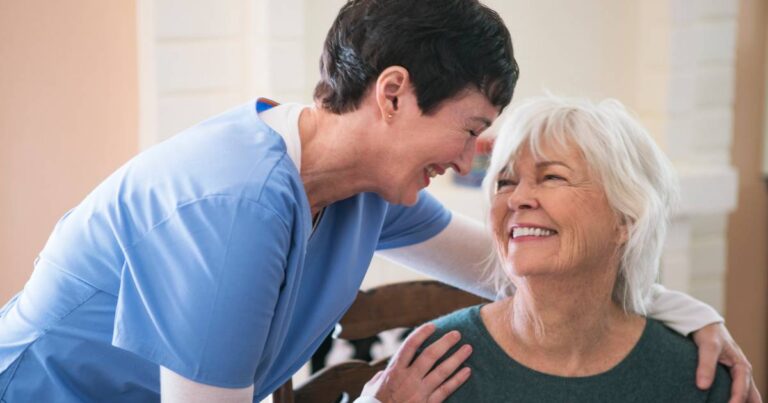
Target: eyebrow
<point>539,165</point>
<point>544,164</point>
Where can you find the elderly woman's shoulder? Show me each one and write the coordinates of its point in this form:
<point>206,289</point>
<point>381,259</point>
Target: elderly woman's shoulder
<point>658,340</point>
<point>466,319</point>
<point>674,358</point>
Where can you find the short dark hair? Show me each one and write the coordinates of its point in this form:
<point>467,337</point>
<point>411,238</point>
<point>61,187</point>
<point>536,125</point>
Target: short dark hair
<point>446,46</point>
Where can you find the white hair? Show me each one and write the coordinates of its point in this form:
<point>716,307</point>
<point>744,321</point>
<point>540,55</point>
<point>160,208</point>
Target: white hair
<point>638,179</point>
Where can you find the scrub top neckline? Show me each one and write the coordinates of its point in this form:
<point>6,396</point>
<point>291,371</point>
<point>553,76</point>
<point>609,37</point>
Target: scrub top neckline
<point>264,104</point>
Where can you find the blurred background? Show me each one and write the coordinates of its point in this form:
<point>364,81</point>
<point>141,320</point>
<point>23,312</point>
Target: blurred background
<point>87,84</point>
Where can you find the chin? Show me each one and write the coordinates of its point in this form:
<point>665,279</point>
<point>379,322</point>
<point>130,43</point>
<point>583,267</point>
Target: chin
<point>525,268</point>
<point>410,203</point>
<point>408,196</point>
<point>408,200</point>
<point>405,199</point>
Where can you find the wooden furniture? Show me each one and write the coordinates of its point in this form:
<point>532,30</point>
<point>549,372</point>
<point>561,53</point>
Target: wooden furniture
<point>387,307</point>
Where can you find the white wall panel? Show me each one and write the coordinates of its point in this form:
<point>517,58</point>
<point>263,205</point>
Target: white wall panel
<point>201,19</point>
<point>199,65</point>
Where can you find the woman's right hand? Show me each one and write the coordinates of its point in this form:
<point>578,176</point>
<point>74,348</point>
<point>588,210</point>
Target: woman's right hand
<point>409,380</point>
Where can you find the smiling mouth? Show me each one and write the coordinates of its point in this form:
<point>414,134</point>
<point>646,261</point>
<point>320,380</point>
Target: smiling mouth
<point>531,232</point>
<point>433,170</point>
<point>439,169</point>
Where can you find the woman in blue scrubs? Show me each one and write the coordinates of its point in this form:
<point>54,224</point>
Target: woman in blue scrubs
<point>211,266</point>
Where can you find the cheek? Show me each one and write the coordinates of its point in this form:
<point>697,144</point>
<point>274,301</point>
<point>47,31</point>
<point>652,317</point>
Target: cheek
<point>456,148</point>
<point>591,229</point>
<point>577,246</point>
<point>470,145</point>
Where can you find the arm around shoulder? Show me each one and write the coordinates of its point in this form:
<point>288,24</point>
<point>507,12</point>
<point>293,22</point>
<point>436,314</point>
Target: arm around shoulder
<point>460,255</point>
<point>681,312</point>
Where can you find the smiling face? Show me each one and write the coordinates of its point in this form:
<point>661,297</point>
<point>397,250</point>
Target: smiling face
<point>551,215</point>
<point>425,146</point>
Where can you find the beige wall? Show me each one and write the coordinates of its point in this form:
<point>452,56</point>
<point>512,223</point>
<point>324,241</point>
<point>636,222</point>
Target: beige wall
<point>747,292</point>
<point>68,115</point>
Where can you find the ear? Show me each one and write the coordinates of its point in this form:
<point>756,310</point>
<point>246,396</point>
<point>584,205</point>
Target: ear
<point>623,231</point>
<point>392,84</point>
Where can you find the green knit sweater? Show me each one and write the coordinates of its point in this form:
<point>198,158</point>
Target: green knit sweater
<point>660,368</point>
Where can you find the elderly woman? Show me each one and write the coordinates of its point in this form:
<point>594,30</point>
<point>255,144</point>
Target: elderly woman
<point>579,203</point>
<point>211,266</point>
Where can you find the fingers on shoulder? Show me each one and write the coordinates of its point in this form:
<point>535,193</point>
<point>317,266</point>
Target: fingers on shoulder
<point>451,385</point>
<point>436,351</point>
<point>410,347</point>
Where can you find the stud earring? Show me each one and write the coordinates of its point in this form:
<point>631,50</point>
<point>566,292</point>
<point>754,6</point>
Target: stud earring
<point>389,116</point>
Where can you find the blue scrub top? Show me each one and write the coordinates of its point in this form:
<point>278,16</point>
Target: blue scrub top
<point>197,255</point>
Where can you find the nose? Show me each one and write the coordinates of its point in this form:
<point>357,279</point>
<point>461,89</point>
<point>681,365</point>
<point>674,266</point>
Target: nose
<point>523,197</point>
<point>464,162</point>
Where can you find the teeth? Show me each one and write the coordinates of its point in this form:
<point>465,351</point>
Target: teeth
<point>431,171</point>
<point>530,231</point>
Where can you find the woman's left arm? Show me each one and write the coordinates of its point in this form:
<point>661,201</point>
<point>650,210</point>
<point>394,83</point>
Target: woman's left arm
<point>461,253</point>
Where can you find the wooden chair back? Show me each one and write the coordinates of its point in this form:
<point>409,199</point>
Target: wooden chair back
<point>383,308</point>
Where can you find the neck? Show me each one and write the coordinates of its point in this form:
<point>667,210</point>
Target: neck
<point>566,326</point>
<point>559,320</point>
<point>333,160</point>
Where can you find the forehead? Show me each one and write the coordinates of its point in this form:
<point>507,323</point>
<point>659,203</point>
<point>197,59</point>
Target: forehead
<point>534,154</point>
<point>542,149</point>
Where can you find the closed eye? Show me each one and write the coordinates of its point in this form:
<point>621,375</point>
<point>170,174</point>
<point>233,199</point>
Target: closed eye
<point>551,177</point>
<point>503,184</point>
